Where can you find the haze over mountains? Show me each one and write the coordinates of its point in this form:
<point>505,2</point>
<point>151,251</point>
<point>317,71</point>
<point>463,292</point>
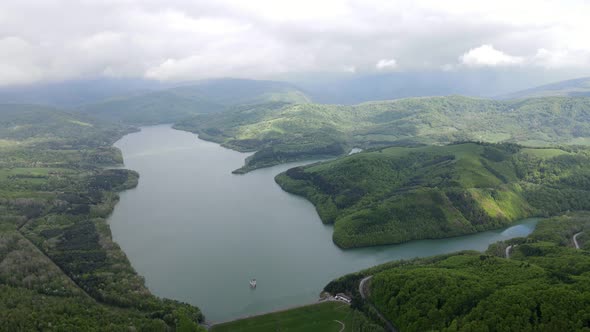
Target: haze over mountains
<point>174,104</point>
<point>212,95</point>
<point>354,89</point>
<point>579,87</point>
<point>72,93</point>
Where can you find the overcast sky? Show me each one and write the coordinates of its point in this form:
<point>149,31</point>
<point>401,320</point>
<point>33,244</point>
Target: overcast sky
<point>179,40</point>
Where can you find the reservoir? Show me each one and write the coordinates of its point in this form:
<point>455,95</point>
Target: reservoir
<point>199,234</point>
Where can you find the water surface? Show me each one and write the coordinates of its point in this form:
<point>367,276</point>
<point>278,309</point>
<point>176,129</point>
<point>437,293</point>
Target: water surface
<point>198,233</point>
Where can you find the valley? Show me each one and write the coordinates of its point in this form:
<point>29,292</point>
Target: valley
<point>300,166</point>
<point>429,177</point>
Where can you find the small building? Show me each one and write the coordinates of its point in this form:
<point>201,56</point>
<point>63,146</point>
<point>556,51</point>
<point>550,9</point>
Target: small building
<point>343,297</point>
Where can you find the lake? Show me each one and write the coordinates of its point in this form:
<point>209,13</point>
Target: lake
<point>198,233</point>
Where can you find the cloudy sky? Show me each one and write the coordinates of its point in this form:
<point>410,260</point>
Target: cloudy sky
<point>46,40</point>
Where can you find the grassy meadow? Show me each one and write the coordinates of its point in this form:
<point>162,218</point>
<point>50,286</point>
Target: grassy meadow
<point>315,317</point>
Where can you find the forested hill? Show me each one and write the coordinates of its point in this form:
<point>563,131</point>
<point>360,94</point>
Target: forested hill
<point>544,286</point>
<point>38,125</point>
<point>59,267</point>
<point>397,194</point>
<point>286,132</point>
<point>175,104</point>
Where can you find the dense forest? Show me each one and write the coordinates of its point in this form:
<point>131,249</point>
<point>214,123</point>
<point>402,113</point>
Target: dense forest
<point>282,132</point>
<point>543,286</point>
<point>397,194</point>
<point>59,268</point>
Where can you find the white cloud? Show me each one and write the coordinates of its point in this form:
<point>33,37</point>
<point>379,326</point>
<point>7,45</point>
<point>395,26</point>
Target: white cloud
<point>561,58</point>
<point>18,63</point>
<point>386,64</point>
<point>487,55</point>
<point>448,67</point>
<point>180,39</point>
<point>349,69</point>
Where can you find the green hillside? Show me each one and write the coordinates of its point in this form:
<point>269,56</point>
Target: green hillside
<point>41,125</point>
<point>544,286</point>
<point>150,108</point>
<point>58,262</point>
<point>286,132</point>
<point>175,104</point>
<point>397,194</point>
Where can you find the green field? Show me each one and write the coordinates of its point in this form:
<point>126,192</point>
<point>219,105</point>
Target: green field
<point>317,317</point>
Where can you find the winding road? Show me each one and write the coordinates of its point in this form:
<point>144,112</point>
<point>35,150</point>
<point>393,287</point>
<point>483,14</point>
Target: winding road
<point>576,240</point>
<point>362,289</point>
<point>508,250</point>
<point>362,286</point>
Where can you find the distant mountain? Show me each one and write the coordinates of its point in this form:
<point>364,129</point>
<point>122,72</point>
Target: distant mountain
<point>149,108</point>
<point>76,92</point>
<point>209,96</point>
<point>358,88</point>
<point>231,92</point>
<point>319,87</point>
<point>576,87</point>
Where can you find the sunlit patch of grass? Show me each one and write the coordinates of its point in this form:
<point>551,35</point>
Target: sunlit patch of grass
<point>5,143</point>
<point>544,153</point>
<point>317,317</point>
<point>85,124</point>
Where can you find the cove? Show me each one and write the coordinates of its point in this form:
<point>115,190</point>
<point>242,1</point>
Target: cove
<point>198,233</point>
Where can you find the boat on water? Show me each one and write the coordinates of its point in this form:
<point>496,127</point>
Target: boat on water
<point>253,283</point>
